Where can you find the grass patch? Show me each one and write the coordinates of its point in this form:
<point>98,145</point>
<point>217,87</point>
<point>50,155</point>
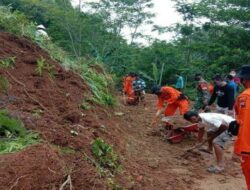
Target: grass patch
<point>7,62</point>
<point>85,106</point>
<point>67,150</point>
<point>99,84</point>
<point>113,184</point>
<point>13,135</point>
<point>106,156</point>
<point>4,84</point>
<point>16,144</point>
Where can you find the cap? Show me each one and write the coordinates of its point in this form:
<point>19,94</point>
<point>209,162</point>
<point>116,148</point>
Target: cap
<point>40,27</point>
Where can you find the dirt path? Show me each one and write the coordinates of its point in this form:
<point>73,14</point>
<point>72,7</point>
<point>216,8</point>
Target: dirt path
<point>159,165</point>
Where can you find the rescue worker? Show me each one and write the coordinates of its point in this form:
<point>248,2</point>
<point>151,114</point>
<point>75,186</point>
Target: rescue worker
<point>174,99</point>
<point>180,82</point>
<point>139,86</point>
<point>217,134</point>
<point>242,110</point>
<point>128,88</point>
<point>203,93</point>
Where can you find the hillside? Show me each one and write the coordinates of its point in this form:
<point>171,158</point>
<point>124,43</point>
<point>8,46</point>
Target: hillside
<point>50,104</point>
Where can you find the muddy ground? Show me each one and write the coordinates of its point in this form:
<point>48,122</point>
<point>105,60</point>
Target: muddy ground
<point>149,162</point>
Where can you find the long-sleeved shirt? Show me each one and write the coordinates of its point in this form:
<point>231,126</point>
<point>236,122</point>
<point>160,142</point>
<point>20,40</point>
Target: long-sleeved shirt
<point>225,96</point>
<point>128,84</point>
<point>168,95</point>
<point>242,110</point>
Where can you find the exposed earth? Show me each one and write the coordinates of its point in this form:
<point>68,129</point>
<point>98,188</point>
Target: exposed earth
<point>149,161</point>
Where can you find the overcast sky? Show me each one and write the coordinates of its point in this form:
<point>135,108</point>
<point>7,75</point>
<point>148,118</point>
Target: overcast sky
<point>166,15</point>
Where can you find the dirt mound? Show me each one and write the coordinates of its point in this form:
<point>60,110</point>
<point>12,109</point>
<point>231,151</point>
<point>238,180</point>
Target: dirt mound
<point>50,106</point>
<point>43,167</point>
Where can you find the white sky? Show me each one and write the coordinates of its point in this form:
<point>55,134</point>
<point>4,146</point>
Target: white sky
<point>166,15</point>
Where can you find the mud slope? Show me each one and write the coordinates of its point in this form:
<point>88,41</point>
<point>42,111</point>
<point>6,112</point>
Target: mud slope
<point>149,162</point>
<point>59,98</point>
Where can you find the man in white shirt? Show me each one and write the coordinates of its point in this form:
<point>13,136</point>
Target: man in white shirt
<point>41,33</point>
<point>217,134</point>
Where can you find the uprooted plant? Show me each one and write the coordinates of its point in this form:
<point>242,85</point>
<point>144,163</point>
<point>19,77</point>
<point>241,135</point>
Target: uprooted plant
<point>14,136</point>
<point>106,156</point>
<point>42,66</point>
<point>7,62</point>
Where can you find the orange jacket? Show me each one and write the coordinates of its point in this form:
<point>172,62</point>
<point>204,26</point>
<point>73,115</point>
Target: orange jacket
<point>128,84</point>
<point>242,109</point>
<point>169,95</point>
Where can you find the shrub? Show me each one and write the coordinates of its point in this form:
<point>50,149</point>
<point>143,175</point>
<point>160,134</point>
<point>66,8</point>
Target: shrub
<point>42,66</point>
<point>105,155</point>
<point>14,136</point>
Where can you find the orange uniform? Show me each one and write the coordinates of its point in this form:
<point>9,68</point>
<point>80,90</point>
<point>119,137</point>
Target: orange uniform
<point>173,98</point>
<point>242,143</point>
<point>128,87</point>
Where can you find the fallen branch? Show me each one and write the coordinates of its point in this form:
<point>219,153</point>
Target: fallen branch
<point>26,92</point>
<point>16,182</point>
<point>68,181</point>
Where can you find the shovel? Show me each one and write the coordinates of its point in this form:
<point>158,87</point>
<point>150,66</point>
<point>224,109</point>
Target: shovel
<point>197,146</point>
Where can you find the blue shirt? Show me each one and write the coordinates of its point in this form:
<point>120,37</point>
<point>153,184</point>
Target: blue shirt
<point>180,83</point>
<point>234,86</point>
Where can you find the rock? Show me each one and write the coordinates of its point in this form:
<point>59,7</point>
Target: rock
<point>119,114</point>
<point>153,163</point>
<point>139,178</point>
<point>185,163</point>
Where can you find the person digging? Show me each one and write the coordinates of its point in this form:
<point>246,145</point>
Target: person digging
<point>217,135</point>
<point>174,100</point>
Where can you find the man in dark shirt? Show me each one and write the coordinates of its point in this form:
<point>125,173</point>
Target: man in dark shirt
<point>225,95</point>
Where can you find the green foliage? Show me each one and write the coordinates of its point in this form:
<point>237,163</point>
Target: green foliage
<point>14,126</point>
<point>16,22</point>
<point>155,73</point>
<point>85,106</point>
<point>15,136</point>
<point>17,144</point>
<point>100,83</point>
<point>4,84</point>
<point>113,185</point>
<point>42,66</point>
<point>100,88</point>
<point>7,62</point>
<point>105,155</point>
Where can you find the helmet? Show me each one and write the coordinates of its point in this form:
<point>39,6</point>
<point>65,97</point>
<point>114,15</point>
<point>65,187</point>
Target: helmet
<point>40,27</point>
<point>244,72</point>
<point>156,89</point>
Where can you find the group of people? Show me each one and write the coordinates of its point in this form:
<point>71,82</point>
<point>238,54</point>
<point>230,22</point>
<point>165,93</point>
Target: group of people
<point>230,118</point>
<point>133,89</point>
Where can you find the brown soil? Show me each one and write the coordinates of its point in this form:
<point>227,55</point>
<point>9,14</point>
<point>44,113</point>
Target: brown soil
<point>148,161</point>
